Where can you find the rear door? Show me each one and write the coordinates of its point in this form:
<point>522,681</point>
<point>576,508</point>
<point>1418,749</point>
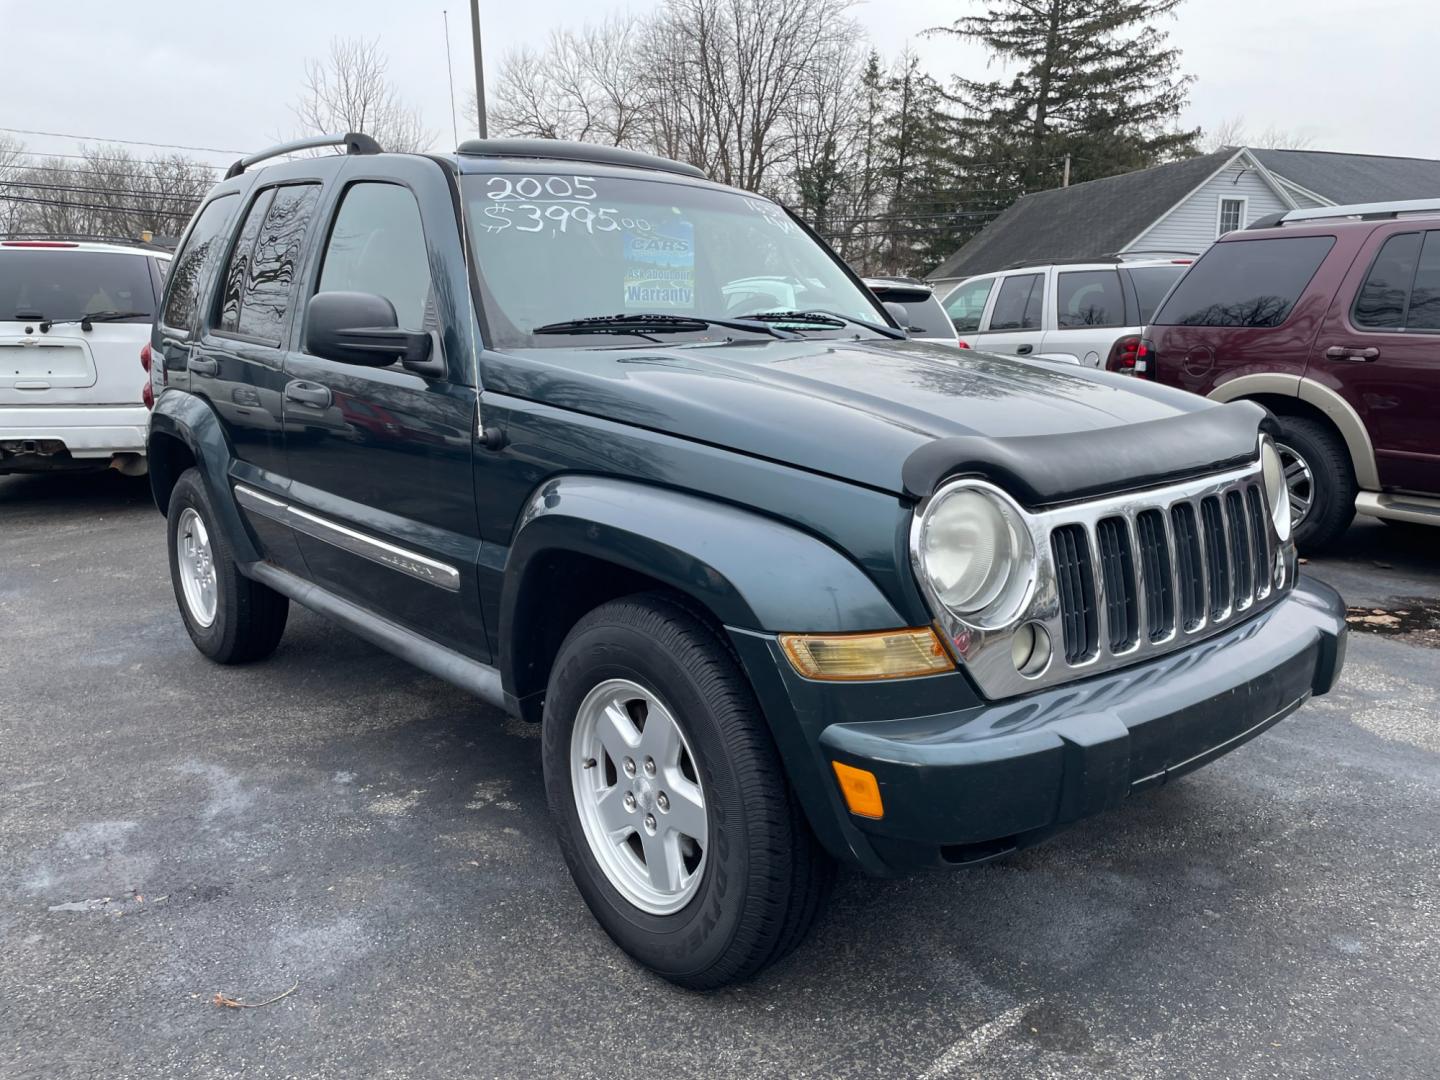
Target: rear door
<point>380,457</point>
<point>1380,347</point>
<point>46,358</point>
<point>1015,324</point>
<point>1090,312</point>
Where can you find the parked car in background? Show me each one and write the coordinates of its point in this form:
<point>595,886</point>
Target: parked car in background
<point>74,319</point>
<point>1072,313</point>
<point>782,587</point>
<point>925,318</point>
<point>1331,319</point>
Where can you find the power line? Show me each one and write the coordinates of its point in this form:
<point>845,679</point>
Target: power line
<point>155,211</point>
<point>28,185</point>
<point>126,142</point>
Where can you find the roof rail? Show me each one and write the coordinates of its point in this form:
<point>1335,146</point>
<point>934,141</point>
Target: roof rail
<point>355,142</point>
<point>1364,211</point>
<point>591,153</point>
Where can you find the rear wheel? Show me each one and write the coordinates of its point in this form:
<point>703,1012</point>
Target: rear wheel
<point>230,618</point>
<point>672,809</point>
<point>1320,480</point>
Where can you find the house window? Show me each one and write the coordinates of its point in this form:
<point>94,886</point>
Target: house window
<point>1232,216</point>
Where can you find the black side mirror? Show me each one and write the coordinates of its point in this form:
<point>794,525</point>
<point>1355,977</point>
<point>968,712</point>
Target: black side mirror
<point>362,328</point>
<point>899,314</point>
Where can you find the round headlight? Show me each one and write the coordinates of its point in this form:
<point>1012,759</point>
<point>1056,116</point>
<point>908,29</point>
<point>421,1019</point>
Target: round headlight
<point>971,547</point>
<point>1277,493</point>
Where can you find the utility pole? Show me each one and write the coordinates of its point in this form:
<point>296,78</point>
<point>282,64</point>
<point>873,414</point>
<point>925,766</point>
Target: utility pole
<point>1066,182</point>
<point>479,69</point>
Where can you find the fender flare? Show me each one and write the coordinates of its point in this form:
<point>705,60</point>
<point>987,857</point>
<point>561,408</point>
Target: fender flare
<point>191,420</point>
<point>749,571</point>
<point>1316,394</point>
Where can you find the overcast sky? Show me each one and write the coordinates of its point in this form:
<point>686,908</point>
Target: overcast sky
<point>1352,75</point>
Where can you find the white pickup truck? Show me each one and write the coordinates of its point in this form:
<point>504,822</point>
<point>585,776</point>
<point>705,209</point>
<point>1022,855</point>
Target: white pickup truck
<point>74,318</point>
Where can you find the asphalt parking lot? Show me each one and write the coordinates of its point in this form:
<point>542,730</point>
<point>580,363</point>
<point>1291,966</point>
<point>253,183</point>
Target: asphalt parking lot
<point>335,821</point>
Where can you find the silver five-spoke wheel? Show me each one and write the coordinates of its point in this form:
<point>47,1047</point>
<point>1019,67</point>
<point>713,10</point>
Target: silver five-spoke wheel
<point>639,797</point>
<point>197,567</point>
<point>1299,480</point>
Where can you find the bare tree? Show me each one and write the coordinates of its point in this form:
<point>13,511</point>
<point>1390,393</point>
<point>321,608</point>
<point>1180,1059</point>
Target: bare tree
<point>348,91</point>
<point>587,85</point>
<point>12,152</point>
<point>1232,132</point>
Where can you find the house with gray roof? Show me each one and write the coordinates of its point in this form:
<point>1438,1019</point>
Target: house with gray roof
<point>1181,207</point>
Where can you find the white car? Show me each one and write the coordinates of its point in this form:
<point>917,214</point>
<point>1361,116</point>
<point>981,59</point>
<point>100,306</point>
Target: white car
<point>925,318</point>
<point>1084,313</point>
<point>74,319</point>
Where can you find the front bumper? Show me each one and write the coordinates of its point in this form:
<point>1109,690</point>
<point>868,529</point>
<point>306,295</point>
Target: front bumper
<point>91,434</point>
<point>962,786</point>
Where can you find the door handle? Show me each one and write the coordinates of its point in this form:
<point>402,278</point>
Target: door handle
<point>1024,350</point>
<point>308,393</point>
<point>1351,352</point>
<point>203,365</point>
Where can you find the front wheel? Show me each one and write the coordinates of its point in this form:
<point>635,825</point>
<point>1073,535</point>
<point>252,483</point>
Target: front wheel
<point>672,809</point>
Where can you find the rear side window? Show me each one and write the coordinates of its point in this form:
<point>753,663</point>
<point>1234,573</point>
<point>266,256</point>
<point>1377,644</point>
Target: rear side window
<point>377,246</point>
<point>1089,298</point>
<point>1246,283</point>
<point>57,284</point>
<point>966,304</point>
<point>188,270</point>
<point>1401,291</point>
<point>1018,305</point>
<point>1151,284</point>
<point>260,280</point>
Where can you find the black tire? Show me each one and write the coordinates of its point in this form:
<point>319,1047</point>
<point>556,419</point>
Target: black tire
<point>765,878</point>
<point>1334,488</point>
<point>249,617</point>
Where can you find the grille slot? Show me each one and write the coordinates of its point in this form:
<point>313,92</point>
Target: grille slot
<point>1156,582</point>
<point>1117,565</point>
<point>1259,540</point>
<point>1075,581</point>
<point>1188,570</point>
<point>1212,524</point>
<point>1240,549</point>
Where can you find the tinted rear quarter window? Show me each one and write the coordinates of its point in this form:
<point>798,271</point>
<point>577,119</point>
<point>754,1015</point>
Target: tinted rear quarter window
<point>1018,305</point>
<point>1252,283</point>
<point>189,270</point>
<point>925,317</point>
<point>1089,298</point>
<point>1151,284</point>
<point>68,284</point>
<point>966,304</point>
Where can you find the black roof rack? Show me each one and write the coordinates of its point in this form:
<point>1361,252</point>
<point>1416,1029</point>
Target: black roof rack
<point>355,142</point>
<point>557,150</point>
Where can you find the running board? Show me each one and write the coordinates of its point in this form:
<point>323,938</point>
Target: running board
<point>479,679</point>
<point>1416,508</point>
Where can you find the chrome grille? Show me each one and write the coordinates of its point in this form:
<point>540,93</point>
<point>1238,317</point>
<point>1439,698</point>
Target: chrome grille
<point>1127,577</point>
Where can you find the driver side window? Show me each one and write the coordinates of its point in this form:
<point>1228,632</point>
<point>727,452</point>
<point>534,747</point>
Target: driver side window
<point>377,245</point>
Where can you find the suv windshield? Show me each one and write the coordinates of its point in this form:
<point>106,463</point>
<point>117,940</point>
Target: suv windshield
<point>64,285</point>
<point>554,247</point>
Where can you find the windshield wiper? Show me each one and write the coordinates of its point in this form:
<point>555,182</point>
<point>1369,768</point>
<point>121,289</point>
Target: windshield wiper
<point>94,317</point>
<point>644,324</point>
<point>829,319</point>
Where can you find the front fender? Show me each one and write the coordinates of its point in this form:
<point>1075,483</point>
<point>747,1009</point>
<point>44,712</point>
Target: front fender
<point>191,420</point>
<point>748,570</point>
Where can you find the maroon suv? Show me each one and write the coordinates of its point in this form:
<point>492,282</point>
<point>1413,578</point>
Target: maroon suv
<point>1331,318</point>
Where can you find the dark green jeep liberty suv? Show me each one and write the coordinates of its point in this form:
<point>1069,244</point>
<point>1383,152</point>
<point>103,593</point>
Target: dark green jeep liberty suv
<point>633,455</point>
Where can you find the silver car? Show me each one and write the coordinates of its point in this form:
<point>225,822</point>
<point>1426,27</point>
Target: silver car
<point>1072,313</point>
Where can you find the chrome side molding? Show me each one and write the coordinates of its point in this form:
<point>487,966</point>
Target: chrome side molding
<point>412,563</point>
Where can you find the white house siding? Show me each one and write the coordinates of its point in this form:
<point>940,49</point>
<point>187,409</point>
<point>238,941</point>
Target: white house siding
<point>1191,225</point>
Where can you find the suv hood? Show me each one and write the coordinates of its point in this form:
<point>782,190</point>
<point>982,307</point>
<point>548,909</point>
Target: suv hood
<point>856,410</point>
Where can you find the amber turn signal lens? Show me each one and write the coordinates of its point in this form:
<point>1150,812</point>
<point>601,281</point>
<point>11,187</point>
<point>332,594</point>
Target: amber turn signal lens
<point>890,654</point>
<point>861,790</point>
